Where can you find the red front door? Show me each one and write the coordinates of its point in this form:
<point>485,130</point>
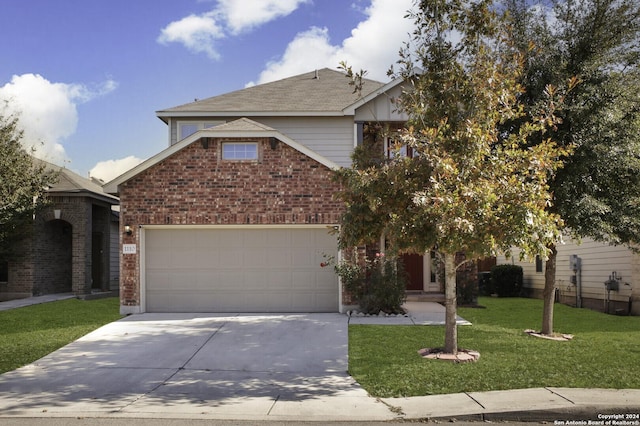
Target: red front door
<point>414,266</point>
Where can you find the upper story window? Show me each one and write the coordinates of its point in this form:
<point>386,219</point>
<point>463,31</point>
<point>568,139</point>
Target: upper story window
<point>239,151</point>
<point>393,149</point>
<point>186,128</point>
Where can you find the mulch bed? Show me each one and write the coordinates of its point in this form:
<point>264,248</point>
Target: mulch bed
<point>463,355</point>
<point>558,337</point>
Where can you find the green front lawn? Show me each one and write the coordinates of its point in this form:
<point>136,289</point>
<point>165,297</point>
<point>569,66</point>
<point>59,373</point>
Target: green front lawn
<point>605,352</point>
<point>29,333</point>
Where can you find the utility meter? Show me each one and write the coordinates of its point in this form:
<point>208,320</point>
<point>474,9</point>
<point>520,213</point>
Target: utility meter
<point>574,262</point>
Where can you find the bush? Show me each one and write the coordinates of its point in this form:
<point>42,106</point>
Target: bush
<point>506,280</point>
<point>377,285</point>
<point>484,282</point>
<point>466,289</point>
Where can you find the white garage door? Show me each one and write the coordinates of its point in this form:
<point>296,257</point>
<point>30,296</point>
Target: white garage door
<point>239,270</point>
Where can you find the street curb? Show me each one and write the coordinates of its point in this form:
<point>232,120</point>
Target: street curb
<point>589,414</point>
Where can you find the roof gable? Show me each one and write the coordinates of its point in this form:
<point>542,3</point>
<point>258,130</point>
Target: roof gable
<point>241,128</point>
<point>321,92</point>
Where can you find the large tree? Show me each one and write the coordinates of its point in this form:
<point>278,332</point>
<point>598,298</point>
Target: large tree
<point>597,44</point>
<point>22,186</point>
<point>469,186</point>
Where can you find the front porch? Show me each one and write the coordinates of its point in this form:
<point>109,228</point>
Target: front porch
<point>423,296</point>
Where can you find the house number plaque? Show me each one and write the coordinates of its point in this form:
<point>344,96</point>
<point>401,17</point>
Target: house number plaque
<point>128,249</point>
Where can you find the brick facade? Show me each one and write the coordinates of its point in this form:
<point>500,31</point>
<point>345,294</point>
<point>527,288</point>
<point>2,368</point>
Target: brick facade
<point>57,256</point>
<point>194,186</point>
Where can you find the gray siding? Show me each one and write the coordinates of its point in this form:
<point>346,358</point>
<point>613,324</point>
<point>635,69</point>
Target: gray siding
<point>381,108</point>
<point>331,137</point>
<point>599,260</point>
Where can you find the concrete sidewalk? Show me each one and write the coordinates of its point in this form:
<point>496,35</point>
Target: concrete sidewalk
<point>535,405</point>
<point>90,379</point>
<point>35,300</point>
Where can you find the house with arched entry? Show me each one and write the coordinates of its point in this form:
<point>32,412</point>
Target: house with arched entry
<point>73,247</point>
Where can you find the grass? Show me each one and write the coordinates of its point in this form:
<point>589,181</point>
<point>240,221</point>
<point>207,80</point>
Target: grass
<point>605,352</point>
<point>29,333</point>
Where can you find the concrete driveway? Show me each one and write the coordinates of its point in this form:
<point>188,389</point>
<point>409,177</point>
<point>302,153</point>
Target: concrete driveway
<point>241,366</point>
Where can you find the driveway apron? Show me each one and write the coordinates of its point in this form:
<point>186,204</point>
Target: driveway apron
<point>260,366</point>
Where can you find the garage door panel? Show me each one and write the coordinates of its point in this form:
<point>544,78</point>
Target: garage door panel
<point>279,239</point>
<point>232,258</point>
<point>306,259</point>
<point>278,256</point>
<point>185,258</point>
<point>256,258</point>
<point>239,270</point>
<point>304,280</point>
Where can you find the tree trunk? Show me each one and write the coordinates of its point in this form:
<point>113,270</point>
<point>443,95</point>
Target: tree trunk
<point>549,292</point>
<point>451,327</point>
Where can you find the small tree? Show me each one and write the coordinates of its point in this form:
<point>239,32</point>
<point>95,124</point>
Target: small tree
<point>22,186</point>
<point>469,187</point>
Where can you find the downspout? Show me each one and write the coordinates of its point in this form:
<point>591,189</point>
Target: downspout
<point>579,285</point>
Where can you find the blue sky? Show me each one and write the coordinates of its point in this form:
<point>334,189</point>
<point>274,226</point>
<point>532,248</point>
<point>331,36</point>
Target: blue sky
<point>88,76</point>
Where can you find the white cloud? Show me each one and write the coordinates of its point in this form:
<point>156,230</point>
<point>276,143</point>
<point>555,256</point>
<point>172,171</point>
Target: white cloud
<point>242,15</point>
<point>111,169</point>
<point>47,111</point>
<point>373,44</point>
<point>308,50</point>
<point>198,33</point>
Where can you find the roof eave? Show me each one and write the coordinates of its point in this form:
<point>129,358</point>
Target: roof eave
<point>85,193</point>
<point>184,114</point>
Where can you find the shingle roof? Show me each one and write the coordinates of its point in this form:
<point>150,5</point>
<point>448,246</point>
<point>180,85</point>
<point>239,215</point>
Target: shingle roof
<point>322,91</point>
<point>69,182</point>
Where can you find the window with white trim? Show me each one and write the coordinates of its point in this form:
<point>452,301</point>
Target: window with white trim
<point>393,148</point>
<point>239,151</point>
<point>187,128</point>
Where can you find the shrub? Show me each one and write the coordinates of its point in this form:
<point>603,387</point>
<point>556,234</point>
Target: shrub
<point>484,282</point>
<point>466,290</point>
<point>377,285</point>
<point>506,280</point>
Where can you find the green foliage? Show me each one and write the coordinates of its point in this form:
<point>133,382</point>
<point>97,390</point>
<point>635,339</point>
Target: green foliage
<point>22,186</point>
<point>596,45</point>
<point>593,47</point>
<point>377,284</point>
<point>472,185</point>
<point>467,289</point>
<point>32,332</point>
<point>484,282</point>
<point>384,359</point>
<point>506,280</point>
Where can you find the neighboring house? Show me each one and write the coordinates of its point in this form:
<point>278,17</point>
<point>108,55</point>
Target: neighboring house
<point>69,249</point>
<point>235,215</point>
<point>584,283</point>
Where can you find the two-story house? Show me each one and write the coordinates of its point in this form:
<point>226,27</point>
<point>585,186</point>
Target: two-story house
<point>236,213</point>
